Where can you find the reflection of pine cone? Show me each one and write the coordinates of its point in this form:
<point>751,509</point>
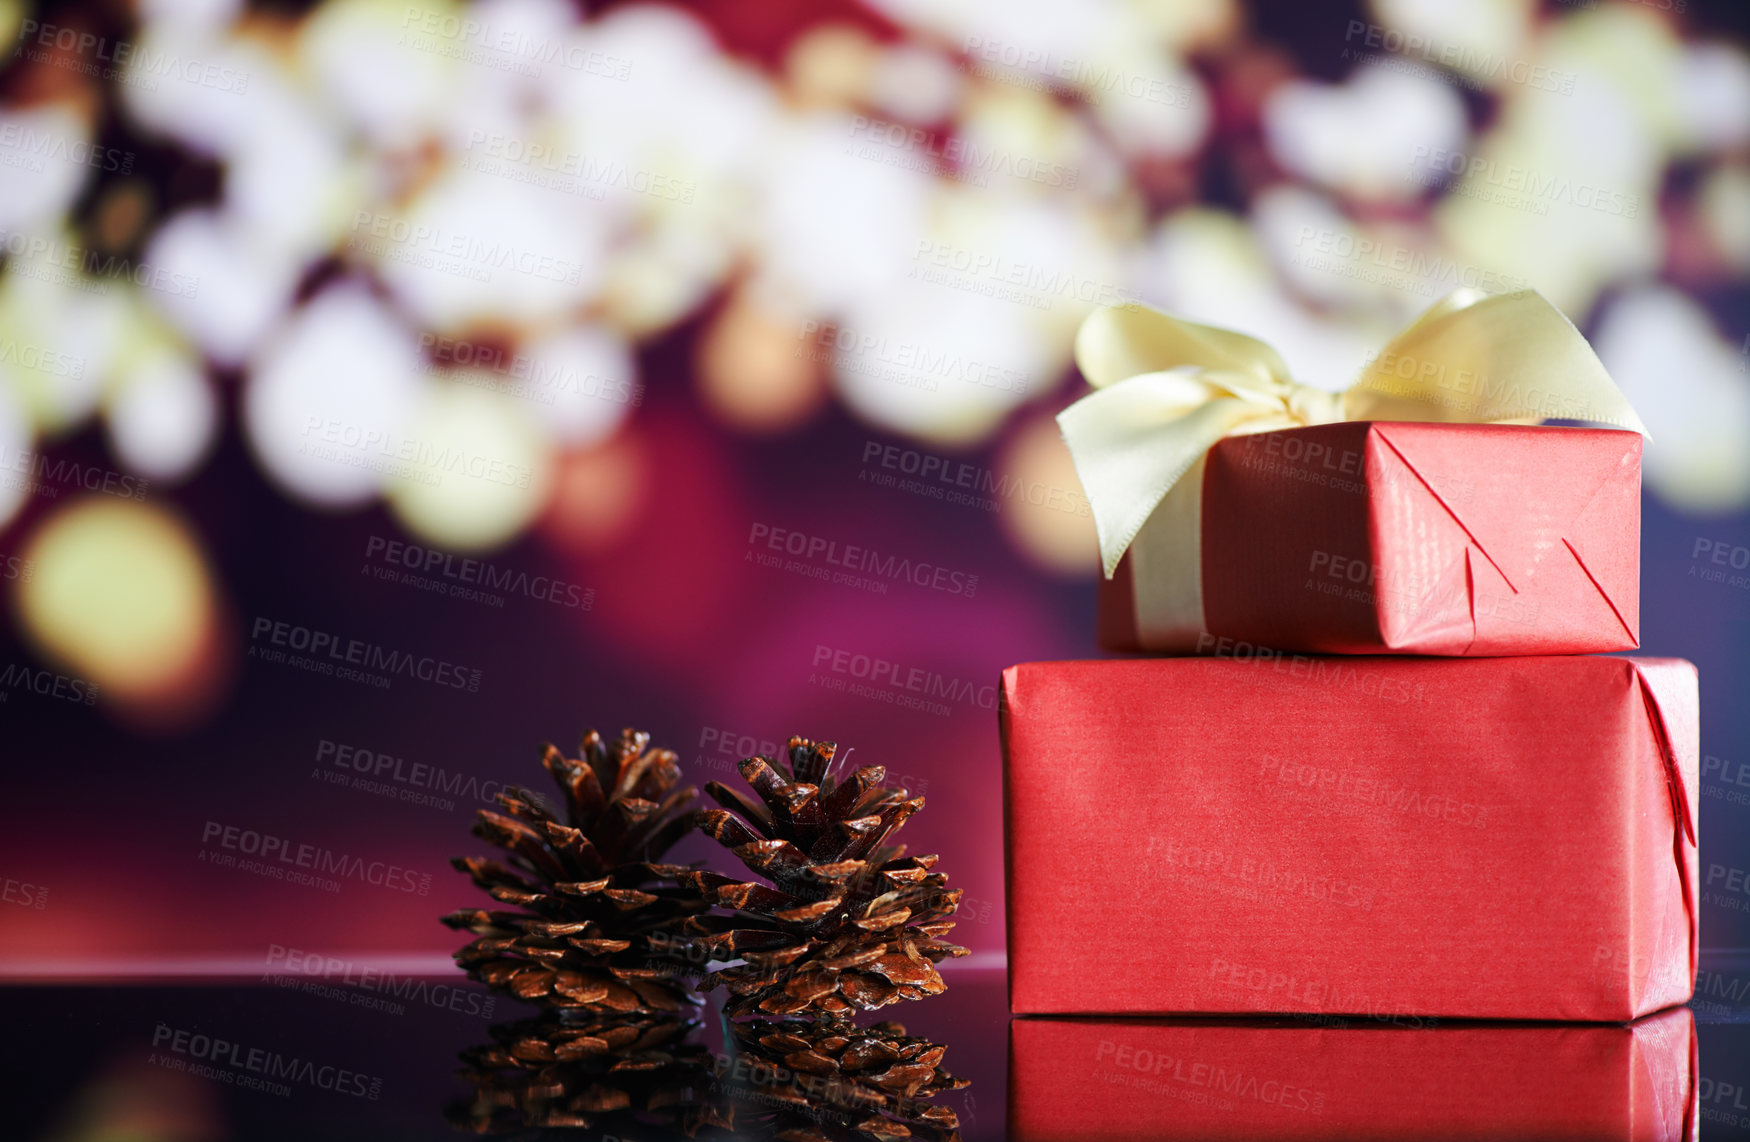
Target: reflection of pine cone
<point>617,1073</point>
<point>832,1082</point>
<point>601,928</point>
<point>851,924</point>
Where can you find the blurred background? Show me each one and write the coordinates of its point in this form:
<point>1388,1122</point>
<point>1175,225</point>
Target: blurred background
<point>390,386</point>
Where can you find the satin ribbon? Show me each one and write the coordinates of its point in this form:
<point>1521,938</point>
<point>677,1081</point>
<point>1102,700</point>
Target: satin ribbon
<point>1166,390</point>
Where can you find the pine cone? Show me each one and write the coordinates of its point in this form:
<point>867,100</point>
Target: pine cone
<point>847,923</point>
<point>601,930</point>
<point>569,1069</point>
<point>832,1082</point>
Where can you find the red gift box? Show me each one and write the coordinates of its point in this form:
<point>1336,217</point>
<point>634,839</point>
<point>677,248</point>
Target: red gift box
<point>1399,538</point>
<point>1113,1081</point>
<point>1492,838</point>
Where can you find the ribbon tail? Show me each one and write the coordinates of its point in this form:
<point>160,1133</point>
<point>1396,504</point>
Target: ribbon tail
<point>1131,442</point>
<point>1506,358</point>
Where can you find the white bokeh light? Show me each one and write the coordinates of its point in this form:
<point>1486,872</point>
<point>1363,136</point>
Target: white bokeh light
<point>231,283</point>
<point>586,382</point>
<point>15,442</point>
<point>164,416</point>
<point>478,468</point>
<point>47,155</point>
<point>1690,388</point>
<point>476,246</point>
<point>1362,136</point>
<point>330,397</point>
<point>915,84</point>
<point>836,228</point>
<point>59,332</point>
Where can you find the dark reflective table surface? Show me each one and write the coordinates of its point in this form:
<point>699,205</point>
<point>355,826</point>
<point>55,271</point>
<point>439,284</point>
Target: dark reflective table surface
<point>175,1063</point>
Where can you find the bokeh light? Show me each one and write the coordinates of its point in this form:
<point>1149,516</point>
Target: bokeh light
<point>121,597</point>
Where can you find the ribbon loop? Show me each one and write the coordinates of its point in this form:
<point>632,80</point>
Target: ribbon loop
<point>1166,390</point>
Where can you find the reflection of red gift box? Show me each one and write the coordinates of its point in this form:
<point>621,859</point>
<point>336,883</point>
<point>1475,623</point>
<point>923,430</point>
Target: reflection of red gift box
<point>1113,1081</point>
<point>1491,838</point>
<point>1368,538</point>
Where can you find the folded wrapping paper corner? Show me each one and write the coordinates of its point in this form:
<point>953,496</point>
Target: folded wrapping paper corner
<point>1504,838</point>
<point>1167,390</point>
<point>1668,687</point>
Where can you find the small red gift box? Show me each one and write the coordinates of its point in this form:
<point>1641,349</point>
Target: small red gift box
<point>1505,838</point>
<point>1375,538</point>
<point>1116,1081</point>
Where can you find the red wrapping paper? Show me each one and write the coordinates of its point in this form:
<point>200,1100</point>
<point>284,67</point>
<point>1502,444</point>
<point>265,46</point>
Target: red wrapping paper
<point>1113,1081</point>
<point>1507,838</point>
<point>1396,538</point>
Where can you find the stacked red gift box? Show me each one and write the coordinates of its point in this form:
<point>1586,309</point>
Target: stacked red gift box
<point>1383,775</point>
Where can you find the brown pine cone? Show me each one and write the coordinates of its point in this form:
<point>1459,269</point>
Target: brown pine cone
<point>848,923</point>
<point>833,1082</point>
<point>619,1074</point>
<point>600,926</point>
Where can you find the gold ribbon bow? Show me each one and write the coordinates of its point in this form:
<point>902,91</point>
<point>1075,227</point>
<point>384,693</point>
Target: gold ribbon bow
<point>1166,390</point>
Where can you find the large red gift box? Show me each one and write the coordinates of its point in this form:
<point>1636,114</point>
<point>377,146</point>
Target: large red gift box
<point>1505,838</point>
<point>1114,1081</point>
<point>1391,538</point>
